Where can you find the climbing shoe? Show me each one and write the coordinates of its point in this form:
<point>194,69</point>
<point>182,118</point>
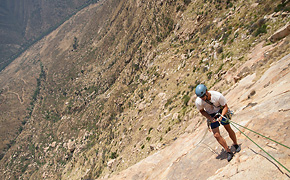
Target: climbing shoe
<point>230,156</point>
<point>238,148</point>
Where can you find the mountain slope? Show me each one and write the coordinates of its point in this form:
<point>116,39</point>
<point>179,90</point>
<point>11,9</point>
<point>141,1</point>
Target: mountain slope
<point>113,84</point>
<point>24,22</point>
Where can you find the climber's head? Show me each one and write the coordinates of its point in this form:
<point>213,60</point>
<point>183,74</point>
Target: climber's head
<point>200,90</point>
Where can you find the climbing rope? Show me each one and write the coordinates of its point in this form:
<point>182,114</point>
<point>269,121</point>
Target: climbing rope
<point>260,134</point>
<point>259,147</point>
<point>233,123</point>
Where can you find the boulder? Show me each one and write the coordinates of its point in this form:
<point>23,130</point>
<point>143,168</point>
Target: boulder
<point>110,163</point>
<point>53,144</point>
<point>175,116</point>
<point>45,149</point>
<point>281,33</point>
<point>71,145</point>
<point>141,106</point>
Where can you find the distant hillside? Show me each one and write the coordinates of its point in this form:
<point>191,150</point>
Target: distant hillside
<point>115,83</point>
<point>22,22</point>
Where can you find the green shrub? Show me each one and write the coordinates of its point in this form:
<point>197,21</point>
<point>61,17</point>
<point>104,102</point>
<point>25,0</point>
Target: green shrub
<point>150,130</point>
<point>113,155</point>
<point>158,38</point>
<point>169,101</point>
<point>209,74</point>
<point>262,29</point>
<point>186,2</point>
<point>169,129</point>
<point>185,98</point>
<point>75,43</point>
<point>282,7</point>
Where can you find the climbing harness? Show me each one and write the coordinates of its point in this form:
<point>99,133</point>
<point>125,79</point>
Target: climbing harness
<point>228,115</point>
<point>234,124</point>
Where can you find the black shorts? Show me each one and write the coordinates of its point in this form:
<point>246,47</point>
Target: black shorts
<point>217,124</point>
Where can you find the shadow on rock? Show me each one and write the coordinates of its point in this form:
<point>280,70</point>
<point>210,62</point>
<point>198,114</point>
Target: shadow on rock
<point>223,154</point>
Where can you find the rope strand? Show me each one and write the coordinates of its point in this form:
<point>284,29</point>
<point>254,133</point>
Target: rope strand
<point>233,123</point>
<point>260,147</point>
<point>259,134</point>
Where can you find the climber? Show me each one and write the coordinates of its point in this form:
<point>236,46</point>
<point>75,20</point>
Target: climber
<point>211,104</point>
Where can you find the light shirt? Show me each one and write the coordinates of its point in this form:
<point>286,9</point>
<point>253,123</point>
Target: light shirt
<point>216,98</point>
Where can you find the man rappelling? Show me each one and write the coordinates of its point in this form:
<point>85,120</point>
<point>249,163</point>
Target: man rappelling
<point>213,106</point>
